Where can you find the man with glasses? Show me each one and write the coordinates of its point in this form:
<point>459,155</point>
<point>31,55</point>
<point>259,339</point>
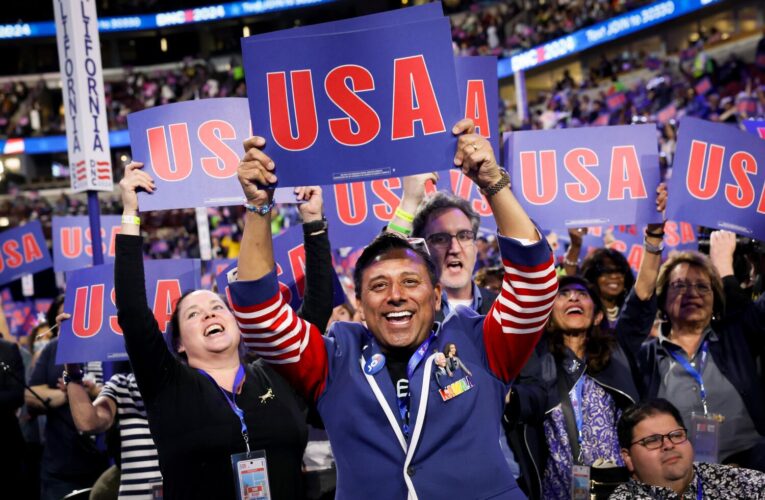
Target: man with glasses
<point>656,450</point>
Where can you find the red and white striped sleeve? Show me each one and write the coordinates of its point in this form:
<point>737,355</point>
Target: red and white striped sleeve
<point>516,321</point>
<point>272,330</point>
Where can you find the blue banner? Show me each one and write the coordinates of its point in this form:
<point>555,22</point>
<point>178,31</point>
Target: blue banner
<point>72,241</point>
<point>718,178</point>
<point>93,333</point>
<point>756,127</point>
<point>600,33</point>
<point>140,22</point>
<point>23,251</point>
<point>586,176</point>
<point>353,106</point>
<point>479,95</point>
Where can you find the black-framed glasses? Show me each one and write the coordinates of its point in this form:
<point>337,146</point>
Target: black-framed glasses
<point>656,441</point>
<point>445,239</point>
<point>683,287</point>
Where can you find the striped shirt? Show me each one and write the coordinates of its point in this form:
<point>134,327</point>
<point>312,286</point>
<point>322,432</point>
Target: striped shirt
<point>140,465</point>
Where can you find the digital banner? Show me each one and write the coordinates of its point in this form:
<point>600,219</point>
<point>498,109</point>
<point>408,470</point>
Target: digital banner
<point>585,176</point>
<point>716,181</point>
<point>289,254</point>
<point>23,251</point>
<point>357,212</point>
<point>479,95</point>
<point>756,127</point>
<point>72,241</point>
<point>93,333</point>
<point>353,106</point>
<point>82,85</point>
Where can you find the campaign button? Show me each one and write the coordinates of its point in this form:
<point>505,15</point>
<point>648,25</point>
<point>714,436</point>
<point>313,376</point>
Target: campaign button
<point>375,364</point>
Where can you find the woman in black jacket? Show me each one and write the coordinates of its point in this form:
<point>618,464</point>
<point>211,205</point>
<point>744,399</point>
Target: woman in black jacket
<point>212,408</point>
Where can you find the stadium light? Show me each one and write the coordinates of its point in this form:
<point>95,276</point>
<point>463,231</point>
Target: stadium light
<point>246,31</point>
<point>163,44</point>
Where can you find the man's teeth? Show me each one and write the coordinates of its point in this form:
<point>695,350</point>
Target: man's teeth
<point>398,315</point>
<point>213,329</point>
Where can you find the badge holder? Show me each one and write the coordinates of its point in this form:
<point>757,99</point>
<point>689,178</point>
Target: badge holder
<point>157,492</point>
<point>705,436</point>
<point>251,475</point>
<point>580,482</point>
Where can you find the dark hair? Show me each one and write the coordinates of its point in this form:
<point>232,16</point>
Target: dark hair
<point>599,344</point>
<point>448,347</point>
<point>483,275</point>
<point>699,261</point>
<point>439,201</point>
<point>639,412</point>
<point>382,244</point>
<point>50,315</point>
<point>592,269</point>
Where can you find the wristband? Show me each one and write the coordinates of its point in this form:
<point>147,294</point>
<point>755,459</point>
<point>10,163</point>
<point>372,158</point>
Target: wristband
<point>572,263</point>
<point>72,378</point>
<point>131,219</point>
<point>314,227</point>
<point>401,214</point>
<point>264,210</point>
<point>651,248</point>
<point>399,229</point>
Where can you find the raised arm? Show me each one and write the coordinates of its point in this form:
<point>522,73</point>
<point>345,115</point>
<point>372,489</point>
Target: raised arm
<point>152,362</point>
<point>645,283</point>
<point>516,320</point>
<point>270,327</point>
<point>319,286</point>
<point>414,192</point>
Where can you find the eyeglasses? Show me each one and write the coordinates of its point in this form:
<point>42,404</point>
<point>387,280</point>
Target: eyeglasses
<point>682,287</point>
<point>445,239</point>
<point>573,293</point>
<point>656,441</point>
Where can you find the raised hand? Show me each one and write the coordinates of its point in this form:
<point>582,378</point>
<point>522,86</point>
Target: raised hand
<point>313,207</point>
<point>256,172</point>
<point>133,180</point>
<point>475,155</point>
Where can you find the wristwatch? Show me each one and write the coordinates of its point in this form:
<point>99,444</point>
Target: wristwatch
<point>503,182</point>
<point>72,378</point>
<point>651,248</point>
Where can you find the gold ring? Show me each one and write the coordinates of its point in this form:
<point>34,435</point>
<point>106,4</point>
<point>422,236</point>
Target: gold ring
<point>475,148</point>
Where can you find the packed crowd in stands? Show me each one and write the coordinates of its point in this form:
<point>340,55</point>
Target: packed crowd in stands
<point>505,28</point>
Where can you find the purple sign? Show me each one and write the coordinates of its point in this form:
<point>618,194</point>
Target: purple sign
<point>23,251</point>
<point>756,127</point>
<point>716,181</point>
<point>479,94</point>
<point>289,254</point>
<point>93,333</point>
<point>192,150</point>
<point>584,177</point>
<point>353,106</point>
<point>72,241</point>
<point>357,212</point>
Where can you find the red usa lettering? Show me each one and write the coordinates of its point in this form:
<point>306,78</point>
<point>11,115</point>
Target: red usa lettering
<point>75,241</point>
<point>89,307</point>
<point>704,177</point>
<point>540,183</point>
<point>170,150</point>
<point>13,255</point>
<point>414,105</point>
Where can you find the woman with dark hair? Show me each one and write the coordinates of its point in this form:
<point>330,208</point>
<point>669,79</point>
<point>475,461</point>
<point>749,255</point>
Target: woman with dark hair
<point>452,361</point>
<point>213,412</point>
<point>704,359</point>
<point>610,272</point>
<point>589,384</point>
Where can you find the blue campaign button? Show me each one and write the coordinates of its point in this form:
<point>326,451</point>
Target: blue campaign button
<point>375,364</point>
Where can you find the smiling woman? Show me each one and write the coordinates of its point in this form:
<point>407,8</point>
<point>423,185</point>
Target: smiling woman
<point>206,407</point>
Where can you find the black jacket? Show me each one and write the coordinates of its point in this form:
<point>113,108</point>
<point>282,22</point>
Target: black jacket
<point>742,339</point>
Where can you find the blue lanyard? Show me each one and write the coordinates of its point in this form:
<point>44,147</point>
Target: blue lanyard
<point>699,489</point>
<point>232,400</point>
<point>696,374</point>
<point>416,359</point>
<point>576,394</point>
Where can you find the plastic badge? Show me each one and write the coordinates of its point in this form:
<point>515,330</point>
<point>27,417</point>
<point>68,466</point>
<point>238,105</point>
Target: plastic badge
<point>580,482</point>
<point>705,436</point>
<point>251,475</point>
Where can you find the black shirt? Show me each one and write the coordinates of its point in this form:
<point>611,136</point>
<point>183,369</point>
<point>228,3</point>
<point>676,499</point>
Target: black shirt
<point>195,430</point>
